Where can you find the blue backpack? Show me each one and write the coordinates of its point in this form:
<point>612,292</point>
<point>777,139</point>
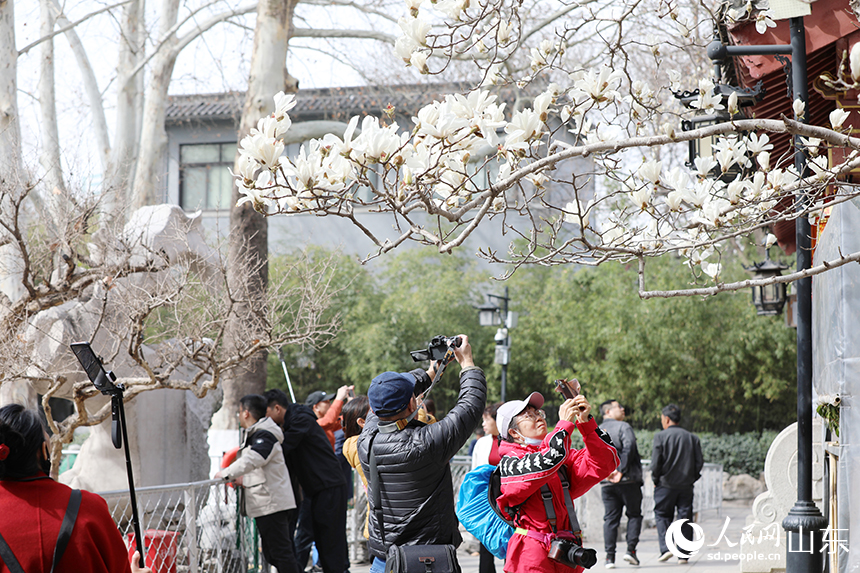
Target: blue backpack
<point>479,513</point>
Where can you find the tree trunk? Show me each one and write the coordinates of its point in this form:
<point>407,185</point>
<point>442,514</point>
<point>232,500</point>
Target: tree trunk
<point>248,248</point>
<point>120,176</point>
<point>10,129</point>
<point>150,169</point>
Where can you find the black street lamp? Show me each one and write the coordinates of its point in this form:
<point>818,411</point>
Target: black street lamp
<point>490,314</point>
<point>768,299</point>
<point>804,524</point>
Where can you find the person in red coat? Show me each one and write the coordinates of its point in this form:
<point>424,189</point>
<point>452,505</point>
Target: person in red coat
<point>32,507</point>
<point>532,457</point>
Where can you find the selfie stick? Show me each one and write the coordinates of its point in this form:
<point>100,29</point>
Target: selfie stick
<point>103,380</point>
<point>286,374</point>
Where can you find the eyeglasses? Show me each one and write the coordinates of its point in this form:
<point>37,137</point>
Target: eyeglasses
<point>533,415</point>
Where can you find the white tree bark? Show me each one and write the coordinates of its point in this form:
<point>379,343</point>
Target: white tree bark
<point>129,95</point>
<point>10,130</point>
<point>50,156</point>
<point>149,171</point>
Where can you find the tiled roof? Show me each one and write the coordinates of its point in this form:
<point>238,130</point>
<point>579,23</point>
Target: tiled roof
<point>324,103</point>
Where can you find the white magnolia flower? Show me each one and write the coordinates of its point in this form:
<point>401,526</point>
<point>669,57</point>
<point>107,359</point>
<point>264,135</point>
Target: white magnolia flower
<point>403,48</point>
<point>734,191</point>
<point>413,4</point>
<point>499,204</point>
<point>492,76</point>
<point>415,28</point>
<point>419,61</point>
<point>704,164</point>
<point>757,144</point>
<point>453,9</point>
<point>726,158</point>
<point>538,59</point>
<point>838,116</point>
<point>707,99</point>
<point>674,199</point>
<point>503,34</point>
<point>770,240</point>
<point>265,150</point>
<point>732,106</point>
<point>854,61</point>
<point>524,126</point>
<point>678,179</point>
<point>246,168</point>
<point>575,210</point>
<point>641,198</point>
<point>812,145</point>
<point>712,270</point>
<point>650,171</point>
<point>541,104</point>
<point>763,21</point>
<point>698,193</point>
<point>283,104</point>
<point>757,184</point>
<point>601,86</point>
<point>256,195</point>
<point>612,235</point>
<point>799,108</point>
<point>763,160</point>
<point>674,80</point>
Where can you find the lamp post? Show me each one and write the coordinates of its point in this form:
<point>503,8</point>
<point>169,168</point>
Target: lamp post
<point>804,523</point>
<point>491,315</point>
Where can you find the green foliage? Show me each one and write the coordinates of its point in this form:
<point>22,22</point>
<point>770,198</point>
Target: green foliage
<point>384,314</point>
<point>728,369</point>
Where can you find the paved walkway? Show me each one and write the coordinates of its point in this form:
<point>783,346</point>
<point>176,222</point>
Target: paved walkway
<point>708,560</point>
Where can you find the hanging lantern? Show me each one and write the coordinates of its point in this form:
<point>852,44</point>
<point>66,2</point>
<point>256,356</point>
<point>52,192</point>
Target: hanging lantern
<point>768,299</point>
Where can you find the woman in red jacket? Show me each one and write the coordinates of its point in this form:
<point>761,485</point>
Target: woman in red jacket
<point>33,506</point>
<point>531,458</point>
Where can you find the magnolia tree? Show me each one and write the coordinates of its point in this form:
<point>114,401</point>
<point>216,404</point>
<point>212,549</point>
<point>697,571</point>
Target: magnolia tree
<point>151,296</point>
<point>644,207</point>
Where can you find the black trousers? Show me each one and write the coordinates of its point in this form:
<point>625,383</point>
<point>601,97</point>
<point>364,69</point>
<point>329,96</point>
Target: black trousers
<point>304,538</point>
<point>486,561</point>
<point>615,498</point>
<point>666,501</point>
<point>325,516</point>
<point>276,536</point>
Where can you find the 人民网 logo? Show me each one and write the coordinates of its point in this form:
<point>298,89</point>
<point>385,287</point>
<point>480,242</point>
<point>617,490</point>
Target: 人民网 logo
<point>679,545</point>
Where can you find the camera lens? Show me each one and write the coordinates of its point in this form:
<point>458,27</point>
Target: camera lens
<point>583,557</point>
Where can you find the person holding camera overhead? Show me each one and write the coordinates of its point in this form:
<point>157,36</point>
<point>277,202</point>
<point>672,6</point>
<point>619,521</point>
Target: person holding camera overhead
<point>532,458</point>
<point>415,487</point>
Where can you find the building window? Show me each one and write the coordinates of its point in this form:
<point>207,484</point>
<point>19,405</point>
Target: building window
<point>204,179</point>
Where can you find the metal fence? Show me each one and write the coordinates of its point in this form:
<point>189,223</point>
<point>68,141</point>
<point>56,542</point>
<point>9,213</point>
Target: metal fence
<point>190,528</point>
<point>195,527</point>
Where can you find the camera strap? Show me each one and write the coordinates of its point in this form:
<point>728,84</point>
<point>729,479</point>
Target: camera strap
<point>546,496</point>
<point>396,425</point>
<point>8,557</point>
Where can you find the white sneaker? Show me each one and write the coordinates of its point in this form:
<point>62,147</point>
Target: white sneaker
<point>682,561</point>
<point>665,557</point>
<point>609,565</point>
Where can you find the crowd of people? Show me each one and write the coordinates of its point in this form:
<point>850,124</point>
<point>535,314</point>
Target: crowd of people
<point>294,472</point>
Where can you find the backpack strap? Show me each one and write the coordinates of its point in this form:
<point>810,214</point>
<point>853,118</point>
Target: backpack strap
<point>374,488</point>
<point>67,527</point>
<point>8,557</point>
<point>546,496</point>
<point>65,534</point>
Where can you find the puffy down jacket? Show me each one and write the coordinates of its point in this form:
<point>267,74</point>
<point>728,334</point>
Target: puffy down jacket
<point>415,478</point>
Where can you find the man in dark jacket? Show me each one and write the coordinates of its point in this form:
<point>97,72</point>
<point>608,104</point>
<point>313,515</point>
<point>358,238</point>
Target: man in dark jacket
<point>676,464</point>
<point>417,495</point>
<point>623,487</point>
<point>312,463</point>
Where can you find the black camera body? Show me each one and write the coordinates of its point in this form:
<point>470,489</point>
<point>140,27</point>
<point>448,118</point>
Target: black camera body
<point>568,552</point>
<point>437,348</point>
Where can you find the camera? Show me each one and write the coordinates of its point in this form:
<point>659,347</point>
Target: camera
<point>568,552</point>
<point>436,349</point>
<point>102,379</point>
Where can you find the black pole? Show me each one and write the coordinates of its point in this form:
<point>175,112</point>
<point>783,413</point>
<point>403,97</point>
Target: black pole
<point>133,498</point>
<point>804,523</point>
<point>508,351</point>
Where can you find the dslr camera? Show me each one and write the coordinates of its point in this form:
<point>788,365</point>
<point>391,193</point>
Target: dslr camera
<point>568,552</point>
<point>436,349</point>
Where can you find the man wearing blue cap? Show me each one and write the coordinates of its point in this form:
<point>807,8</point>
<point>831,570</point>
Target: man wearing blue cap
<point>416,491</point>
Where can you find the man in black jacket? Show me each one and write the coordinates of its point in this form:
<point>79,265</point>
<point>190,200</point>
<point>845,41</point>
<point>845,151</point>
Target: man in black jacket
<point>416,491</point>
<point>623,487</point>
<point>312,463</point>
<point>676,464</point>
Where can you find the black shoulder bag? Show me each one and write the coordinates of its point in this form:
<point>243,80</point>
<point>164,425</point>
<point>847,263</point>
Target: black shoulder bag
<point>409,558</point>
<point>62,539</point>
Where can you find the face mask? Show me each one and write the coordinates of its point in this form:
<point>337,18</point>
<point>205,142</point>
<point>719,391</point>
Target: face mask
<point>532,441</point>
